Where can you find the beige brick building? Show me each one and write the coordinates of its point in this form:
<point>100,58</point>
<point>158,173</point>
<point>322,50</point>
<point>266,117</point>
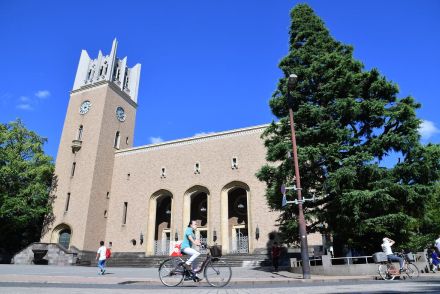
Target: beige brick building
<point>142,198</point>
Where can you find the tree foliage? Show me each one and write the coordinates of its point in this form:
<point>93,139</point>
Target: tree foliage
<point>26,179</point>
<point>347,120</point>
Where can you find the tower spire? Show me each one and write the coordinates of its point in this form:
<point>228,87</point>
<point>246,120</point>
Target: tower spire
<point>108,68</point>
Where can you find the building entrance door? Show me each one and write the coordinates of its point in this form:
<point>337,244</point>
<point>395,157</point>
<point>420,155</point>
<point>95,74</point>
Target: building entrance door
<point>202,235</point>
<point>240,240</point>
<point>162,247</point>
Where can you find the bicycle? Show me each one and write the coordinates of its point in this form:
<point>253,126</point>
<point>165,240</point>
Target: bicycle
<point>388,271</point>
<point>216,271</point>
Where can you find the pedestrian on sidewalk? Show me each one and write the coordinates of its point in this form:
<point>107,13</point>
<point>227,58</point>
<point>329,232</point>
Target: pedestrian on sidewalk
<point>276,251</point>
<point>435,260</point>
<point>437,244</point>
<point>101,257</point>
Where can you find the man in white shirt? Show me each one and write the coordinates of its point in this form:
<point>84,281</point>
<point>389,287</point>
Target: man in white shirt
<point>437,243</point>
<point>101,257</point>
<point>386,248</point>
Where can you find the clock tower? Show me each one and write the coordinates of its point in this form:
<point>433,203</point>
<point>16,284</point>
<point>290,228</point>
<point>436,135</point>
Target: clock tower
<point>99,121</point>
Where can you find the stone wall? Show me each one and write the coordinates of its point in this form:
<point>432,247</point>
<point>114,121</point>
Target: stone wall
<point>45,253</point>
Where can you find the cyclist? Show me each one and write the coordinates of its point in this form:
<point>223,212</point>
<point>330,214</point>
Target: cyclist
<point>189,239</point>
<point>386,247</point>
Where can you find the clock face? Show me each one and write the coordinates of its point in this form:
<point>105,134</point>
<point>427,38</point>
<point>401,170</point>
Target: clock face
<point>120,114</point>
<point>85,107</point>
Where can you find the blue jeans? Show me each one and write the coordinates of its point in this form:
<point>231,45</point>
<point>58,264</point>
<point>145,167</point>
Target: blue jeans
<point>392,257</point>
<point>101,265</point>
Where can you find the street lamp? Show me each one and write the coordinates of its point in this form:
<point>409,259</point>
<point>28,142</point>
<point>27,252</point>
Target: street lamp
<point>291,83</point>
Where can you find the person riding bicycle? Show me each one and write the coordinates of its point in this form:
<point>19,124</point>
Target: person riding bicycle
<point>189,239</point>
<point>386,248</point>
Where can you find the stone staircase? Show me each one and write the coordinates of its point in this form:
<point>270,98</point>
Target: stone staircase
<point>140,260</point>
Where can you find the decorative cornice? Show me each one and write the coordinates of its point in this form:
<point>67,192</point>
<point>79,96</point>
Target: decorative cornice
<point>112,86</point>
<point>192,140</point>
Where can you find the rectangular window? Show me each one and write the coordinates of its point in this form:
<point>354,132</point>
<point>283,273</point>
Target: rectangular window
<point>80,132</point>
<point>67,202</point>
<point>234,163</point>
<point>117,140</point>
<point>108,195</point>
<point>72,173</point>
<point>124,213</point>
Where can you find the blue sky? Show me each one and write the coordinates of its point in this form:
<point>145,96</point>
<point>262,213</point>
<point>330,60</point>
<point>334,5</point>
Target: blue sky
<point>207,66</point>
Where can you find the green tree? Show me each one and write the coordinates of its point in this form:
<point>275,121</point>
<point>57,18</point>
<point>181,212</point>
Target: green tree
<point>26,179</point>
<point>347,120</point>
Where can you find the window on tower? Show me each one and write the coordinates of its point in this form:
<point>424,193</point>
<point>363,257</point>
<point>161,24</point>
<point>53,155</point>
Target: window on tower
<point>66,208</point>
<point>80,133</point>
<point>72,172</point>
<point>197,168</point>
<point>124,213</point>
<point>117,140</point>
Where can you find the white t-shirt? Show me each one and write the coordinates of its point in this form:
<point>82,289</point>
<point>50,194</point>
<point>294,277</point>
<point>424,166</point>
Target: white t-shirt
<point>386,248</point>
<point>437,243</point>
<point>101,251</point>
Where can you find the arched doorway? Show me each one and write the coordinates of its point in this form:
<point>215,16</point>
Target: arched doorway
<point>162,233</point>
<point>159,223</point>
<point>199,213</point>
<point>196,207</point>
<point>238,220</point>
<point>62,234</point>
<point>64,238</point>
<point>235,218</point>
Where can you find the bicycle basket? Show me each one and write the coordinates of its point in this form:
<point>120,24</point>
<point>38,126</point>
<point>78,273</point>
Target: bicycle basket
<point>379,257</point>
<point>410,257</point>
<point>216,251</point>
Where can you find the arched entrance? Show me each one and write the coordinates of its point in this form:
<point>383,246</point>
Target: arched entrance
<point>235,218</point>
<point>159,223</point>
<point>199,212</point>
<point>62,235</point>
<point>196,207</point>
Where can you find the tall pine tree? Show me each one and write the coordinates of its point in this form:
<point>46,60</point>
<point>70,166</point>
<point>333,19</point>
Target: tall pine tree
<point>347,120</point>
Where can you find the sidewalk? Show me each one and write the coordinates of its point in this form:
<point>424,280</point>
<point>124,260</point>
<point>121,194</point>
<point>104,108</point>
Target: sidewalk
<point>149,276</point>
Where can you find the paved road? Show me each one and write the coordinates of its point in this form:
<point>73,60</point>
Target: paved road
<point>71,279</point>
<point>370,287</point>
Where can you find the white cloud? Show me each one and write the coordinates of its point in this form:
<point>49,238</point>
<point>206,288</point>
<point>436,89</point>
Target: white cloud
<point>427,129</point>
<point>24,99</point>
<point>24,106</point>
<point>42,94</point>
<point>203,134</point>
<point>155,140</point>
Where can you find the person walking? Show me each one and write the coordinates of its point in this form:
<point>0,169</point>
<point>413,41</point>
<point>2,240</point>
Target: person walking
<point>437,244</point>
<point>275,255</point>
<point>101,257</point>
<point>435,260</point>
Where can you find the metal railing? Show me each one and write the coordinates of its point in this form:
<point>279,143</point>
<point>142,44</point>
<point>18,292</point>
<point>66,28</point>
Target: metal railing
<point>347,260</point>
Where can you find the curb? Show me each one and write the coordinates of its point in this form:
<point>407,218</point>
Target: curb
<point>156,282</point>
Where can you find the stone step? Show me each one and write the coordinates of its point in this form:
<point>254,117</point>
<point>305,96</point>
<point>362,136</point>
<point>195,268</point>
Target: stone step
<point>138,259</point>
<point>149,263</point>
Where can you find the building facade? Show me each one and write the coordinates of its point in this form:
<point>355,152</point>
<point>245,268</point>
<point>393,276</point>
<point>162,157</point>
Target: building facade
<point>142,198</point>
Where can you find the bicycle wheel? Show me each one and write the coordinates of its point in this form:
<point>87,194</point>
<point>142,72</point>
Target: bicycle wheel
<point>217,273</point>
<point>412,271</point>
<point>384,273</point>
<point>171,272</point>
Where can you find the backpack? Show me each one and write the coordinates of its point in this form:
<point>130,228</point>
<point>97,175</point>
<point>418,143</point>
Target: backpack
<point>108,253</point>
<point>176,250</point>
